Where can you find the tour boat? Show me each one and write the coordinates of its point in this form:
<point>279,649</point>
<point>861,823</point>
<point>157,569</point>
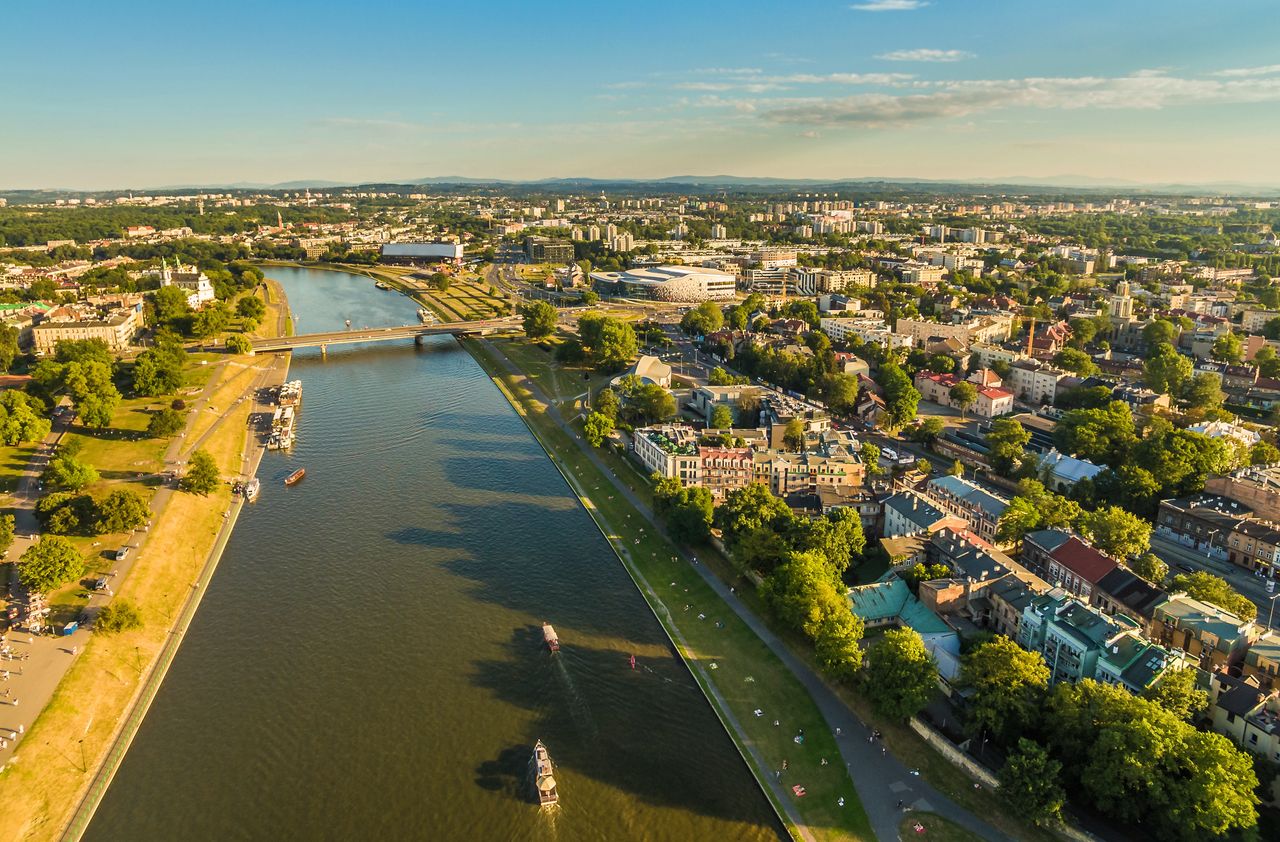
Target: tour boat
<point>426,316</point>
<point>549,636</point>
<point>251,489</point>
<point>544,782</point>
<point>294,477</point>
<point>382,285</point>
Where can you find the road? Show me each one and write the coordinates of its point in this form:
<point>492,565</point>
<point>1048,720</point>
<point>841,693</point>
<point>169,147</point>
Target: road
<point>1180,558</point>
<point>881,780</point>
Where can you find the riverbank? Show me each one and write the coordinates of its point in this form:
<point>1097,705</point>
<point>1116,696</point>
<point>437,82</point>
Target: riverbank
<point>747,686</point>
<point>69,752</point>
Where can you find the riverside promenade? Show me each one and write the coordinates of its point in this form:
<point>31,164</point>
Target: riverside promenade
<point>880,779</point>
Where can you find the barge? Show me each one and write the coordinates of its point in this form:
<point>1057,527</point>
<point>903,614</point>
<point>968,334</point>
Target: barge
<point>295,477</point>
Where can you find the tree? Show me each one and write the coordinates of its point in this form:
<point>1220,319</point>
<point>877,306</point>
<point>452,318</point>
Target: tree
<point>650,402</point>
<point>1177,693</point>
<point>159,371</point>
<point>1101,435</point>
<point>902,675</point>
<point>1075,361</point>
<point>1006,442</point>
<point>607,403</point>
<point>202,476</point>
<point>1082,331</point>
<point>165,423</point>
<point>1264,453</point>
<point>1029,783</point>
<point>837,535</point>
<point>803,592</point>
<point>440,281</point>
<point>1227,348</point>
<point>252,308</point>
<point>118,616</point>
<point>92,391</point>
<point>121,510</point>
<point>597,428</point>
<point>1116,532</point>
<point>689,522</point>
<point>841,392</point>
<point>1160,332</point>
<point>900,397</point>
<point>1034,508</point>
<point>1213,589</point>
<point>1166,370</point>
<point>794,435</point>
<point>924,466</point>
<point>210,321</point>
<point>238,343</point>
<point>590,297</point>
<point>539,320</point>
<point>9,348</point>
<point>1008,685</point>
<point>65,512</point>
<point>870,455</point>
<point>720,377</point>
<point>6,533</point>
<point>49,563</point>
<point>1204,392</point>
<point>837,645</point>
<point>963,395</point>
<point>1139,764</point>
<point>928,430</point>
<point>67,473</point>
<point>617,344</point>
<point>171,305</point>
<point>747,509</point>
<point>704,319</point>
<point>1150,567</point>
<point>721,417</point>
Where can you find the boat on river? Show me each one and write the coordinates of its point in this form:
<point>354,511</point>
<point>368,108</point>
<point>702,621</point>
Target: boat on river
<point>426,316</point>
<point>295,477</point>
<point>549,637</point>
<point>382,285</point>
<point>251,489</point>
<point>544,782</point>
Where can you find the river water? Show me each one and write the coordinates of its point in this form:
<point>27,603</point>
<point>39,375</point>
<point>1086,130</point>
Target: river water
<point>367,662</point>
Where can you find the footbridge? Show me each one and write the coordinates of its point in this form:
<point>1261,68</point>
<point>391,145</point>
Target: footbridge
<point>352,336</point>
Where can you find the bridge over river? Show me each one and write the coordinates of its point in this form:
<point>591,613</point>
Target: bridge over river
<point>381,334</point>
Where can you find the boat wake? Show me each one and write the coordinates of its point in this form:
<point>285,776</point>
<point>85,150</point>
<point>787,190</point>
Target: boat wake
<point>579,710</point>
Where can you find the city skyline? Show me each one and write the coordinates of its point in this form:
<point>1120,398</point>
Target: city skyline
<point>830,91</point>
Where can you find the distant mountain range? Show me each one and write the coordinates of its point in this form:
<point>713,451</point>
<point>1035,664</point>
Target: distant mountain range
<point>1057,182</point>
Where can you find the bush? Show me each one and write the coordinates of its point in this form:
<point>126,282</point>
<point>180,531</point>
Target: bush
<point>178,404</point>
<point>238,343</point>
<point>120,615</point>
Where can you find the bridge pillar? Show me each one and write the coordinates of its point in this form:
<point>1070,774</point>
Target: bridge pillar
<point>417,340</point>
<point>324,351</point>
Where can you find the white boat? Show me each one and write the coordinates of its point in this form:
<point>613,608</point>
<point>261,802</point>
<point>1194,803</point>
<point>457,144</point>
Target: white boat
<point>544,782</point>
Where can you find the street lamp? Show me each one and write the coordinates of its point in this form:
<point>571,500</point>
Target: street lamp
<point>1272,612</point>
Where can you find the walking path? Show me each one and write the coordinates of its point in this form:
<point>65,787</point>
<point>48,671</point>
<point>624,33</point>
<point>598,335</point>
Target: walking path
<point>880,779</point>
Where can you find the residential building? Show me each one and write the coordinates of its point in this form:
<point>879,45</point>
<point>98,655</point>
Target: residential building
<point>810,281</point>
<point>1255,545</point>
<point>1253,321</point>
<point>669,451</point>
<point>1072,565</point>
<point>1203,522</point>
<point>889,602</point>
<point>1124,592</point>
<point>546,250</point>
<point>667,283</point>
<point>791,473</point>
<point>1033,381</point>
<point>1070,635</point>
<point>1262,660</point>
<point>907,513</point>
<point>1258,487</point>
<point>704,399</point>
<point>1216,639</point>
<point>1247,714</point>
<point>116,328</point>
<point>1135,663</point>
<point>964,499</point>
<point>724,469</point>
<point>1064,472</point>
<point>984,329</point>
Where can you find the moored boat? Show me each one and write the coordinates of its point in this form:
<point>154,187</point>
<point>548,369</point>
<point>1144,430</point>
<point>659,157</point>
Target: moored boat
<point>549,637</point>
<point>544,782</point>
<point>382,285</point>
<point>426,316</point>
<point>251,489</point>
<point>295,477</point>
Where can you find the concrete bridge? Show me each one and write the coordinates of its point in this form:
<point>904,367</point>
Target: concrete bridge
<point>381,334</point>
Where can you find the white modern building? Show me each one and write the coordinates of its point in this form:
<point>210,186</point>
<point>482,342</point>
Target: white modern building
<point>422,252</point>
<point>667,283</point>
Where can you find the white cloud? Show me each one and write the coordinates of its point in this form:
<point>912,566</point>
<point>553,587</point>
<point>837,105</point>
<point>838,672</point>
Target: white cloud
<point>925,55</point>
<point>1144,91</point>
<point>889,5</point>
<point>756,82</point>
<point>1265,70</point>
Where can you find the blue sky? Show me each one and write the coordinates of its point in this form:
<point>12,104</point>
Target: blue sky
<point>136,94</point>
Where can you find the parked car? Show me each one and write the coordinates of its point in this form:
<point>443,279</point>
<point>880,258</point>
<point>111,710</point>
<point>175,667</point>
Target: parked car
<point>123,553</point>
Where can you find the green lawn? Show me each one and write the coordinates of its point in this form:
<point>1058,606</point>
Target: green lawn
<point>933,828</point>
<point>13,461</point>
<point>745,671</point>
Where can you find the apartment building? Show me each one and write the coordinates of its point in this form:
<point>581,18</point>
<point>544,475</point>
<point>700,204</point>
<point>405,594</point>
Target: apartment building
<point>116,328</point>
<point>1033,381</point>
<point>1257,487</point>
<point>986,329</point>
<point>1070,635</point>
<point>964,499</point>
<point>1213,637</point>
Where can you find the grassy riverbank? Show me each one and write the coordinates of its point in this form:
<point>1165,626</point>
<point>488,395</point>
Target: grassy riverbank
<point>738,673</point>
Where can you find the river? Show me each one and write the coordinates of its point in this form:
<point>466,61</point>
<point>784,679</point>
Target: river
<point>367,662</point>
